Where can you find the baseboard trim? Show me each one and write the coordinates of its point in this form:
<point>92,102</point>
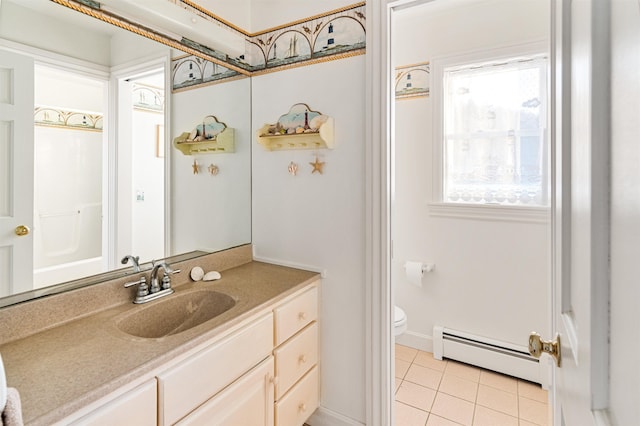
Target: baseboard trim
<point>325,417</point>
<point>416,341</point>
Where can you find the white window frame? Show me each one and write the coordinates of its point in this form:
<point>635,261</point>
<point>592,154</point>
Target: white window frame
<point>437,206</point>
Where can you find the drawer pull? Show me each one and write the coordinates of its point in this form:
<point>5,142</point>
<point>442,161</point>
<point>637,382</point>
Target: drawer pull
<point>302,316</point>
<point>302,359</point>
<point>302,407</point>
<point>273,380</point>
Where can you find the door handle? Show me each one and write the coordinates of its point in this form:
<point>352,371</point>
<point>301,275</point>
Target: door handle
<point>22,230</point>
<point>537,347</point>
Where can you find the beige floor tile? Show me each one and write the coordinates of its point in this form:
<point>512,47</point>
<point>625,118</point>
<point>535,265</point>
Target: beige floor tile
<point>463,371</point>
<point>401,368</point>
<point>499,381</point>
<point>526,423</point>
<point>461,388</point>
<point>423,376</point>
<point>487,417</point>
<point>532,391</point>
<point>426,359</point>
<point>415,395</point>
<point>452,408</point>
<point>498,400</point>
<point>434,420</point>
<point>533,411</point>
<point>397,384</point>
<point>405,353</point>
<point>409,416</point>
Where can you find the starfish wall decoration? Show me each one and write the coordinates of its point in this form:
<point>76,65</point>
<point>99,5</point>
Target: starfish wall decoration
<point>317,166</point>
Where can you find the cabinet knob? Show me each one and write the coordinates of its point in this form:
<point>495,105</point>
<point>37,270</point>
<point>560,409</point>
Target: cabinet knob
<point>302,359</point>
<point>302,316</point>
<point>302,407</point>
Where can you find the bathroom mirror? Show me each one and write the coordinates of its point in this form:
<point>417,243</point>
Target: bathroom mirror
<point>204,212</point>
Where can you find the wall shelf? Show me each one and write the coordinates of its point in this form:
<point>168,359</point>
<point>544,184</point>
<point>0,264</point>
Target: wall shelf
<point>307,130</point>
<point>210,137</point>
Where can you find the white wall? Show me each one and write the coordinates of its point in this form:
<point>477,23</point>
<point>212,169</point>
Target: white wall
<point>26,26</point>
<point>491,276</point>
<point>127,47</point>
<point>212,212</point>
<point>625,211</point>
<point>318,220</point>
<point>147,178</point>
<point>266,14</point>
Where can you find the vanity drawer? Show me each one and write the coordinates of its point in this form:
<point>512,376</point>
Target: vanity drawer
<point>300,402</point>
<point>137,406</point>
<point>295,314</point>
<point>296,357</point>
<point>185,387</point>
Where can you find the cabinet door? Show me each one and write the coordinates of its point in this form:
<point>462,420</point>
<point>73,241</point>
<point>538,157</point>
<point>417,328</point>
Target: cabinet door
<point>248,401</point>
<point>183,388</point>
<point>136,407</point>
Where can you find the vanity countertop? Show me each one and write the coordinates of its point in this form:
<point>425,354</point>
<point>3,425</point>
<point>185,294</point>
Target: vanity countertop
<point>62,369</point>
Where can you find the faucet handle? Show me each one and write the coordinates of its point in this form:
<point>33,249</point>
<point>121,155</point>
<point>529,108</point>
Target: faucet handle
<point>166,280</point>
<point>143,288</point>
<point>142,280</point>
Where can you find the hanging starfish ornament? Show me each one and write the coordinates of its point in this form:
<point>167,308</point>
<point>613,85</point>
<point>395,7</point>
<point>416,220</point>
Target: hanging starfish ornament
<point>196,168</point>
<point>317,166</point>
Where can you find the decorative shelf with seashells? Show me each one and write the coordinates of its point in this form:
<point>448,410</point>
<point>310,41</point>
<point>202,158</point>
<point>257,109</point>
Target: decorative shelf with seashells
<point>210,137</point>
<point>300,128</point>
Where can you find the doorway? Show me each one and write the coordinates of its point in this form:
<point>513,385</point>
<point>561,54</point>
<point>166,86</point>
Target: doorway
<point>141,164</point>
<point>469,193</point>
<point>69,175</point>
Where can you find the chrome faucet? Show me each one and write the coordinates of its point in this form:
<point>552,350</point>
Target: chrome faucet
<point>134,260</point>
<point>166,281</point>
<point>156,290</point>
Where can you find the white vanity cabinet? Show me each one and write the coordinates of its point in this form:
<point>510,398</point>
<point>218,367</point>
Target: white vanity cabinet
<point>135,407</point>
<point>262,372</point>
<point>183,388</point>
<point>296,359</point>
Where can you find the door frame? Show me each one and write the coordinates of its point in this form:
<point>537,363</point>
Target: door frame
<point>118,73</point>
<point>379,133</point>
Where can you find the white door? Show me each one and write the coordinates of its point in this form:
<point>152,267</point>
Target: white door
<point>581,227</point>
<point>16,173</point>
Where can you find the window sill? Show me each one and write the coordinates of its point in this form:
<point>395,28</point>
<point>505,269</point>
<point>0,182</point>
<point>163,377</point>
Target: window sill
<point>491,212</point>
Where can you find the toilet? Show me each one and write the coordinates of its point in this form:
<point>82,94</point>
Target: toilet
<point>399,321</point>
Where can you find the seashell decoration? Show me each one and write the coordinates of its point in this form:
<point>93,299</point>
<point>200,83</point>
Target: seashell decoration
<point>197,273</point>
<point>212,276</point>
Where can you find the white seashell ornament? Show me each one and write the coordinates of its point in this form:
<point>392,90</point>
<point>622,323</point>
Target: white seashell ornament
<point>212,276</point>
<point>197,273</point>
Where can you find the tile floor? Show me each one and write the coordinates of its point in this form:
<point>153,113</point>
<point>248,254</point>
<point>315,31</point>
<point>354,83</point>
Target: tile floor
<point>442,393</point>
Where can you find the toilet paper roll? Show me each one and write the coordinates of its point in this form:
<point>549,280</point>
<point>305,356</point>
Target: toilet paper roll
<point>414,272</point>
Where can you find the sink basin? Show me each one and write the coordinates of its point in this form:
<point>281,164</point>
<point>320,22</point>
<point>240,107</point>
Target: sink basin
<point>175,313</point>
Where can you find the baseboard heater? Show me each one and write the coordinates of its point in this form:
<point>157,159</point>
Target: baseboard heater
<point>487,353</point>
